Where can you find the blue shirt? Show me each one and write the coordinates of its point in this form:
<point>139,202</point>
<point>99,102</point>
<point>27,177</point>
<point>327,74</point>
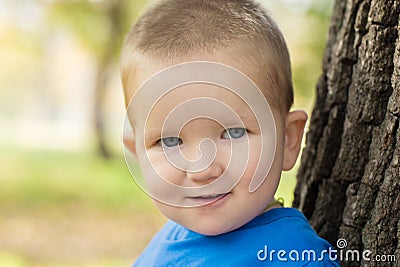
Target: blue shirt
<point>278,237</point>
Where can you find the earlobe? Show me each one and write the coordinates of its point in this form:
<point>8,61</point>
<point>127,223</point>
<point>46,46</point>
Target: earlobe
<point>294,128</point>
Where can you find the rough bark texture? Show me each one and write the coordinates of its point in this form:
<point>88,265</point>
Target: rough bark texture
<point>349,178</point>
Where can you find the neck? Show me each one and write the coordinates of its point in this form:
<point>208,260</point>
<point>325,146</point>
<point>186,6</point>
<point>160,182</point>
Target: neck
<point>276,203</point>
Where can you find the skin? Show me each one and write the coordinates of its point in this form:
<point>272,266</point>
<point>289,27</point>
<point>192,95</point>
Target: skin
<point>238,206</point>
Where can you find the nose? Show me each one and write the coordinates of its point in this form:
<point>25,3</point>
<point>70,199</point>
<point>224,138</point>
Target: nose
<point>211,172</point>
<point>204,165</point>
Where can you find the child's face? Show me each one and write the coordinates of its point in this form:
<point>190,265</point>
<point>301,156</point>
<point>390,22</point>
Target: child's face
<point>218,209</point>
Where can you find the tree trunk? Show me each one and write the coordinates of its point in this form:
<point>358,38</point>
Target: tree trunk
<point>349,178</point>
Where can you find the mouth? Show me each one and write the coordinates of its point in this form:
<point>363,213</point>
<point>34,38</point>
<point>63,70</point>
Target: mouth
<point>208,199</point>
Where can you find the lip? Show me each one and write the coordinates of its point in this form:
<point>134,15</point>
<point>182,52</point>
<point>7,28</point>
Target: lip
<point>209,200</point>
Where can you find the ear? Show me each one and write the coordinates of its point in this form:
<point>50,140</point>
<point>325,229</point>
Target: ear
<point>129,141</point>
<point>294,128</point>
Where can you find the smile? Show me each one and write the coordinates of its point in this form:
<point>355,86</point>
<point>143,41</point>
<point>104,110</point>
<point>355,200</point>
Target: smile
<point>208,199</point>
<point>211,196</point>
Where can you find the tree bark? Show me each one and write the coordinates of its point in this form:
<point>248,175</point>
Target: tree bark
<point>349,178</point>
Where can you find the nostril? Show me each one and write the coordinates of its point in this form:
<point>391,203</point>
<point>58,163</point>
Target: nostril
<point>199,175</point>
<point>212,172</point>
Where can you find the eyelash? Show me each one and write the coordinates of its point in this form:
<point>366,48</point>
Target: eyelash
<point>161,142</point>
<point>227,131</point>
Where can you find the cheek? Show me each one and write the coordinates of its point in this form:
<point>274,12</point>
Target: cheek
<point>253,158</point>
<point>224,155</point>
<point>164,168</point>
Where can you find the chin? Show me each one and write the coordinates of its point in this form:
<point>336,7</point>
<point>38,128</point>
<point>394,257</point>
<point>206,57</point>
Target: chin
<point>210,232</point>
<point>207,222</point>
<point>212,229</point>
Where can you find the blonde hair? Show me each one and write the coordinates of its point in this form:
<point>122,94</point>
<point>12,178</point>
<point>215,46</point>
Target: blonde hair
<point>182,29</point>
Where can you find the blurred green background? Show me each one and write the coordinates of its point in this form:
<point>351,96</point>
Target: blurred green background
<point>66,196</point>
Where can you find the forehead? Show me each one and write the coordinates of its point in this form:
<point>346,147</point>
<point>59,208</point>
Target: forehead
<point>199,100</point>
<point>145,67</point>
<point>210,94</point>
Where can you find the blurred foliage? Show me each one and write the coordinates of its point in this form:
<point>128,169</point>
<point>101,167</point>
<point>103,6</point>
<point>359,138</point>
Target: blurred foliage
<point>92,21</point>
<point>15,260</point>
<point>101,26</point>
<point>52,179</point>
<point>306,71</point>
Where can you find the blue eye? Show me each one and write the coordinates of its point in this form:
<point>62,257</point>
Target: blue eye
<point>234,133</point>
<point>170,141</point>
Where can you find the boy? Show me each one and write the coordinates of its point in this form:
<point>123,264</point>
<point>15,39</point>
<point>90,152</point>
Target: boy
<point>208,90</point>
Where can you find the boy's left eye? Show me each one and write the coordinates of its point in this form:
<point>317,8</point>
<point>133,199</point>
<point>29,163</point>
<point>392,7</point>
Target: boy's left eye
<point>234,133</point>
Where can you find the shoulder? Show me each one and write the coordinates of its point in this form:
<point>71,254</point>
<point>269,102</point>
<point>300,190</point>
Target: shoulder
<point>290,238</point>
<point>280,225</point>
<point>160,245</point>
<point>289,223</point>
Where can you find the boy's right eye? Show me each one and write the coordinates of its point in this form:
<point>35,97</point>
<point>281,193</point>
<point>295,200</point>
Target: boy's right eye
<point>170,141</point>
